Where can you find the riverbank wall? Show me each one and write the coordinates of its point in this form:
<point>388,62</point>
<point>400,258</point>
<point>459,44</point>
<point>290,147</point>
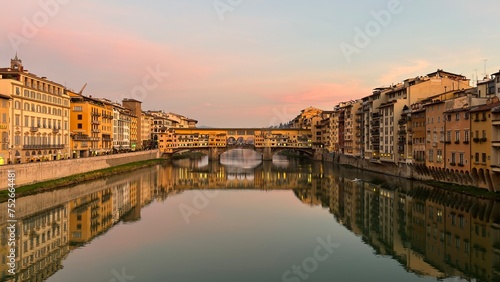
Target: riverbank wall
<point>486,180</point>
<point>29,173</point>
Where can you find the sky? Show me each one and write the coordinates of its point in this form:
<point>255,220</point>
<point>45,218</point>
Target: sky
<point>242,63</point>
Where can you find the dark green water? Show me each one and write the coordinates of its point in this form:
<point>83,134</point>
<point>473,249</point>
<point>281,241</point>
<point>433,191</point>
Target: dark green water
<point>243,220</point>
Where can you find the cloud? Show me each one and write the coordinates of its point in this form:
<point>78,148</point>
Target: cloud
<point>400,72</point>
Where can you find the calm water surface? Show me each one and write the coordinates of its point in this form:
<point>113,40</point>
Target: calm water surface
<point>243,220</point>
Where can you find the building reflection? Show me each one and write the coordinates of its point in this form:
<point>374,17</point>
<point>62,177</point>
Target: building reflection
<point>74,218</point>
<point>430,232</point>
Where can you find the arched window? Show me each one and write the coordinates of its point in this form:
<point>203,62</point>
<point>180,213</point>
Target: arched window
<point>17,105</point>
<point>26,106</point>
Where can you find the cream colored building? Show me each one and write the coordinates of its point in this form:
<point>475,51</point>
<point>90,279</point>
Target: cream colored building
<point>146,130</point>
<point>39,124</point>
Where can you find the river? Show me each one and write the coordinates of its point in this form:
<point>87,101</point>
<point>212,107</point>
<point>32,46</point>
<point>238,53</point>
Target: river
<point>247,220</point>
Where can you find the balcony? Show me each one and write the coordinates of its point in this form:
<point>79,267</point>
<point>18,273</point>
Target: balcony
<point>34,128</point>
<point>479,140</point>
<point>96,114</point>
<point>402,132</point>
<point>496,143</point>
<point>96,122</point>
<point>402,121</point>
<point>42,147</point>
<point>81,137</point>
<point>96,130</point>
<point>376,115</point>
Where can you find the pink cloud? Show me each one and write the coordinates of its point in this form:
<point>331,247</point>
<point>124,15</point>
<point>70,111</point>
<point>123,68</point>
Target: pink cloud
<point>398,73</point>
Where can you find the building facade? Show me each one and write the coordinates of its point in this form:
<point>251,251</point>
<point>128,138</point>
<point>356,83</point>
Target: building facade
<point>39,117</point>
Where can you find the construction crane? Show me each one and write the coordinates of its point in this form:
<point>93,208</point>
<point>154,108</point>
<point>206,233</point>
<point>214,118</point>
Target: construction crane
<point>81,91</point>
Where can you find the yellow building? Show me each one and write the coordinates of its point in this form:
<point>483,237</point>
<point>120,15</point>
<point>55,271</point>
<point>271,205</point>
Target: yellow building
<point>481,146</point>
<point>91,121</point>
<point>39,117</point>
<point>5,103</point>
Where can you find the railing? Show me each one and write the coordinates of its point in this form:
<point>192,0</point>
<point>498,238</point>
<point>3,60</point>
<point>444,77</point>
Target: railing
<point>34,128</point>
<point>36,147</point>
<point>81,138</point>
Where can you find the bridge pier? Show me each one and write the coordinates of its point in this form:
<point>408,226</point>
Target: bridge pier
<point>318,155</point>
<point>213,154</point>
<point>267,154</point>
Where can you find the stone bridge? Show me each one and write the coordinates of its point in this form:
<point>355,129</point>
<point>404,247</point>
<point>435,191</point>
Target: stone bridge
<point>215,141</point>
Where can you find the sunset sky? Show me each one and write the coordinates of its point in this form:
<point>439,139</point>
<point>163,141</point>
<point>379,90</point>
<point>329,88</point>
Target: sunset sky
<point>237,63</point>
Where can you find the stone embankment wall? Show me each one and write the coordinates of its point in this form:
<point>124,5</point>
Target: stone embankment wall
<point>488,181</point>
<point>29,173</point>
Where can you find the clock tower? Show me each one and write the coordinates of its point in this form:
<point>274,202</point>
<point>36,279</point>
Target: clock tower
<point>16,64</point>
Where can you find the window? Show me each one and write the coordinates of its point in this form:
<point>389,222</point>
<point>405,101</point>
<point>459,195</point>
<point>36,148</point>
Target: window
<point>461,155</point>
<point>466,136</point>
<point>477,157</point>
<point>80,126</point>
<point>484,133</point>
<point>431,155</point>
<point>457,116</point>
<point>77,108</point>
<point>448,135</point>
<point>26,121</point>
<point>4,118</point>
<point>483,157</point>
<point>457,136</point>
<point>439,156</point>
<point>453,159</point>
<point>80,117</point>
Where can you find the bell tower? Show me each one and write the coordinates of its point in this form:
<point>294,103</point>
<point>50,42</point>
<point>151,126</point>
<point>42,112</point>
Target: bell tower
<point>16,64</point>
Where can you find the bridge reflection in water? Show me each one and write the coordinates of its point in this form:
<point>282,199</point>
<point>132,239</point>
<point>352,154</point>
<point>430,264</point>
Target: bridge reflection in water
<point>428,231</point>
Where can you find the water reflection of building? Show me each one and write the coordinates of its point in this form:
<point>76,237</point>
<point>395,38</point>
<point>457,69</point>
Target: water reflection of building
<point>90,215</point>
<point>429,231</point>
<point>266,176</point>
<point>41,244</point>
<point>74,217</point>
